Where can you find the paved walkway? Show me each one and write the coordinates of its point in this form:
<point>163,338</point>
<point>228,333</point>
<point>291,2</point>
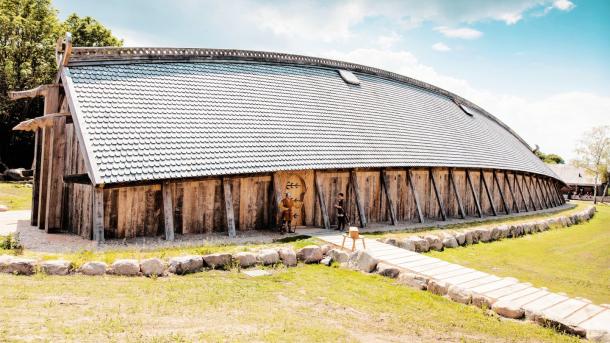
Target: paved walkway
<point>10,219</point>
<point>509,297</point>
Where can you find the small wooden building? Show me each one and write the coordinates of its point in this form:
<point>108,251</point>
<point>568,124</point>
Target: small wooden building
<point>158,141</point>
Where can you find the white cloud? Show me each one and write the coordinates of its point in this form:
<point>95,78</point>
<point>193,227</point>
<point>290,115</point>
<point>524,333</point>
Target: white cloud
<point>563,5</point>
<point>442,47</point>
<point>554,122</point>
<point>462,32</point>
<point>387,41</point>
<point>510,18</point>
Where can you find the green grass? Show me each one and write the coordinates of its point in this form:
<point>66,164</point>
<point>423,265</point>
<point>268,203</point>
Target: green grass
<point>17,196</point>
<point>574,260</point>
<point>486,223</point>
<point>309,303</point>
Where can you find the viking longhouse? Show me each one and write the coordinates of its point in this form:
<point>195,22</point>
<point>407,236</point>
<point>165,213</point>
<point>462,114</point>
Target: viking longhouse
<point>163,141</point>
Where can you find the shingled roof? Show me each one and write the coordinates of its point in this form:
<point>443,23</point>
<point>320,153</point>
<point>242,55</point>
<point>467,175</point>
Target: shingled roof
<point>152,117</point>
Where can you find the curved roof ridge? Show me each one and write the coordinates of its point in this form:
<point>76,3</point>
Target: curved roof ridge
<point>110,55</point>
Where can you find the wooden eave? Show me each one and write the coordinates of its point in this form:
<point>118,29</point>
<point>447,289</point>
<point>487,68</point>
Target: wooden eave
<point>41,90</point>
<point>39,122</point>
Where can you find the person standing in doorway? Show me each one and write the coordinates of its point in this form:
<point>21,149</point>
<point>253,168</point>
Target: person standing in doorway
<point>286,206</point>
<point>341,218</point>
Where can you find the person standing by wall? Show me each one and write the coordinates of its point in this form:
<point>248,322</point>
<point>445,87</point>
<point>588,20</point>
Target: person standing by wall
<point>341,216</point>
<point>286,206</point>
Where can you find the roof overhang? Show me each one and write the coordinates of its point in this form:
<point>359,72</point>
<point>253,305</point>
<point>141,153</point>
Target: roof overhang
<point>39,122</point>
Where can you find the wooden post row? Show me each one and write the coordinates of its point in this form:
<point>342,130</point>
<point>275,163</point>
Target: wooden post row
<point>415,196</point>
<point>438,198</point>
<point>386,187</point>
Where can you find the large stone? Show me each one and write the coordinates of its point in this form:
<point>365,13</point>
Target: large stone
<point>419,244</point>
<point>387,270</point>
<point>450,242</point>
<point>508,309</point>
<point>289,257</point>
<point>406,244</point>
<point>413,280</point>
<point>484,235</point>
<point>482,301</point>
<point>504,231</point>
<point>245,259</point>
<point>459,294</point>
<point>469,236</point>
<point>218,260</point>
<point>338,256</point>
<point>438,287</point>
<point>460,237</point>
<point>125,267</point>
<point>363,261</point>
<point>56,267</point>
<point>310,254</point>
<point>391,241</point>
<point>434,242</point>
<point>325,248</point>
<point>94,268</point>
<point>268,257</point>
<point>18,265</point>
<point>185,264</point>
<point>495,233</point>
<point>152,267</point>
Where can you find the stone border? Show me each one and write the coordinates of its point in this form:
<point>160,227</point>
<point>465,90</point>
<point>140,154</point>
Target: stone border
<point>453,239</point>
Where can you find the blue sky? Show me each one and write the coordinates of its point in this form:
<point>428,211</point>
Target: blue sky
<point>541,66</point>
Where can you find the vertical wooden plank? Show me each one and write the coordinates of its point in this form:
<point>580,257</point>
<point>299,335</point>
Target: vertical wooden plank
<point>36,168</point>
<point>438,197</point>
<point>277,199</point>
<point>457,194</point>
<point>323,208</point>
<point>168,211</point>
<point>563,200</point>
<point>504,203</point>
<point>386,189</point>
<point>409,180</point>
<point>358,196</point>
<point>532,192</point>
<point>489,197</point>
<point>474,194</point>
<point>521,192</point>
<point>553,189</point>
<point>512,194</point>
<point>228,200</point>
<point>98,215</point>
<point>538,187</point>
<point>44,176</point>
<point>552,197</point>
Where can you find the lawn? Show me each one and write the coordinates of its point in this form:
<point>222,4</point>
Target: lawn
<point>574,260</point>
<point>307,303</point>
<point>17,196</point>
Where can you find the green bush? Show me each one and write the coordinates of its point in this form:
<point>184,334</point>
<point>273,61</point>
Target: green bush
<point>10,242</point>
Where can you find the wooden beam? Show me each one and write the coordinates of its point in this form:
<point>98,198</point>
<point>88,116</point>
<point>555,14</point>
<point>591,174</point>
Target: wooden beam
<point>545,202</point>
<point>563,200</point>
<point>168,210</point>
<point>30,93</point>
<point>277,198</point>
<point>322,202</point>
<point>77,178</point>
<point>44,177</point>
<point>474,194</point>
<point>521,191</point>
<point>36,177</point>
<point>415,196</point>
<point>530,187</point>
<point>55,187</point>
<point>552,195</point>
<point>228,202</point>
<point>504,203</point>
<point>356,189</point>
<point>98,215</point>
<point>489,197</point>
<point>457,194</point>
<point>438,197</point>
<point>386,187</point>
<point>553,186</point>
<point>512,194</point>
<point>39,122</point>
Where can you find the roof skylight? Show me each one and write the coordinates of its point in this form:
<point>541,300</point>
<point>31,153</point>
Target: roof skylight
<point>349,77</point>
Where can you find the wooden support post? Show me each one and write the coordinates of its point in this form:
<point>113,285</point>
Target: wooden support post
<point>36,181</point>
<point>535,194</point>
<point>386,188</point>
<point>457,194</point>
<point>168,210</point>
<point>438,196</point>
<point>512,194</point>
<point>539,187</point>
<point>474,194</point>
<point>563,200</point>
<point>44,177</point>
<point>356,189</point>
<point>56,169</point>
<point>504,203</point>
<point>322,203</point>
<point>277,199</point>
<point>228,201</point>
<point>558,196</point>
<point>98,214</point>
<point>489,197</point>
<point>521,192</point>
<point>552,196</point>
<point>415,196</point>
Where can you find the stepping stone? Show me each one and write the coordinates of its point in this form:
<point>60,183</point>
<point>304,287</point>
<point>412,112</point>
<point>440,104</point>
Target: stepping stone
<point>526,299</point>
<point>598,327</point>
<point>452,273</point>
<point>583,314</point>
<point>425,265</point>
<point>498,293</point>
<point>564,309</point>
<point>505,282</point>
<point>444,269</point>
<point>465,278</point>
<point>405,259</point>
<point>475,283</point>
<point>426,261</point>
<point>519,294</point>
<point>535,308</point>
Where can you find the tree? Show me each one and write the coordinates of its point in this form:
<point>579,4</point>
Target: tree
<point>89,32</point>
<point>28,32</point>
<point>549,158</point>
<point>593,152</point>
